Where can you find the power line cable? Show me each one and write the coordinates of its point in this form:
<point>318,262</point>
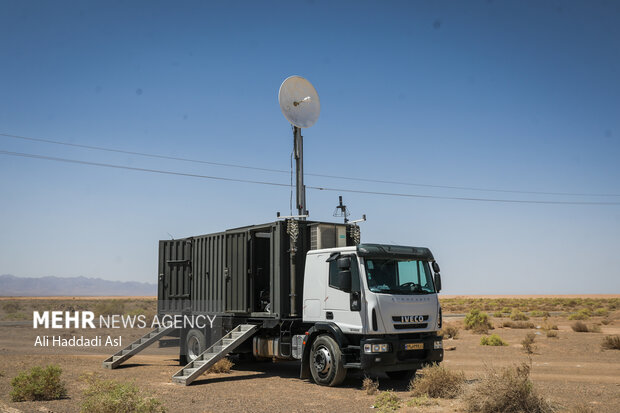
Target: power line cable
<point>231,165</point>
<point>319,188</point>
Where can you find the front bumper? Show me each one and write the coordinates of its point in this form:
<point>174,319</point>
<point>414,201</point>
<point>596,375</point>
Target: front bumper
<point>398,358</point>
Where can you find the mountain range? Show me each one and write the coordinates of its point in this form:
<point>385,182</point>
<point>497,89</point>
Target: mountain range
<point>11,285</point>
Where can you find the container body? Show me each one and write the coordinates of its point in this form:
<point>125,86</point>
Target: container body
<point>242,271</point>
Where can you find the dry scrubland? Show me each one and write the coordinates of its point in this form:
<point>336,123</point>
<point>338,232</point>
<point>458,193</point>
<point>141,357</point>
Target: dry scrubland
<point>509,354</point>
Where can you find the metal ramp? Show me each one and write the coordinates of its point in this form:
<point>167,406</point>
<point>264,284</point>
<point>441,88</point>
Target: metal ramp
<point>213,354</point>
<point>137,346</point>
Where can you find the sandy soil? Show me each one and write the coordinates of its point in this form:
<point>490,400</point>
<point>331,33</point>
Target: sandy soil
<point>568,370</point>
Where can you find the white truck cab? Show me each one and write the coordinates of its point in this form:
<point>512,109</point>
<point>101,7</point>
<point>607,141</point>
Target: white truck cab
<point>372,307</point>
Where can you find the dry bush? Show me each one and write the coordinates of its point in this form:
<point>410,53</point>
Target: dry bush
<point>436,381</point>
<point>492,340</point>
<point>579,327</point>
<point>451,331</point>
<point>607,321</point>
<point>518,324</point>
<point>596,328</point>
<point>222,366</point>
<point>552,334</point>
<point>371,386</point>
<point>611,342</point>
<point>528,343</point>
<point>518,316</point>
<point>508,390</point>
<point>478,322</point>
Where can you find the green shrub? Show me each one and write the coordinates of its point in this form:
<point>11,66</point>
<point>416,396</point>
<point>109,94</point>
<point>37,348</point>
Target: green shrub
<point>582,314</point>
<point>492,340</point>
<point>437,381</point>
<point>518,316</point>
<point>387,401</point>
<point>38,384</point>
<point>601,312</point>
<point>478,322</point>
<point>498,314</point>
<point>508,390</point>
<point>422,401</point>
<point>611,342</point>
<point>538,313</point>
<point>506,310</point>
<point>110,396</point>
<point>110,307</point>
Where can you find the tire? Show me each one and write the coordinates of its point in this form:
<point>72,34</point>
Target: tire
<point>326,364</point>
<point>195,343</point>
<point>401,375</point>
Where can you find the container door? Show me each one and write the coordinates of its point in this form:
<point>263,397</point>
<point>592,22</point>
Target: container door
<point>236,272</point>
<point>175,275</point>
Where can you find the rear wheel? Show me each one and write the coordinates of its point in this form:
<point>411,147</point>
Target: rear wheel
<point>401,375</point>
<point>326,364</point>
<point>195,344</point>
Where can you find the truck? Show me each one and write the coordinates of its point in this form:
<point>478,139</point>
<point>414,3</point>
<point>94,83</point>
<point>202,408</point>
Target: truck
<point>303,290</point>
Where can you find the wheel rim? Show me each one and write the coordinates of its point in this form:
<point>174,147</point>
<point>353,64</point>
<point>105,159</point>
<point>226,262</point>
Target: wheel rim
<point>193,348</point>
<point>322,361</point>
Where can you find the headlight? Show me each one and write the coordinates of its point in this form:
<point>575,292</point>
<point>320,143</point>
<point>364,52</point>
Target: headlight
<point>376,348</point>
<point>437,345</point>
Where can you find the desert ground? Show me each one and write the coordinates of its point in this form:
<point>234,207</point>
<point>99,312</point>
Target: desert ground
<point>571,370</point>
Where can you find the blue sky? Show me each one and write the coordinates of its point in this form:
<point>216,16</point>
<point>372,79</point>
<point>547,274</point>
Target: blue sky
<point>510,95</point>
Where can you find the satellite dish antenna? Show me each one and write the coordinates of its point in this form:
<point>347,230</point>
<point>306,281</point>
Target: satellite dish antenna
<point>299,101</point>
<point>301,106</point>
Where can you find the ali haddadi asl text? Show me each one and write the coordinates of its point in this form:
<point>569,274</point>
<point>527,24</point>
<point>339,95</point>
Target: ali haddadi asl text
<point>75,341</point>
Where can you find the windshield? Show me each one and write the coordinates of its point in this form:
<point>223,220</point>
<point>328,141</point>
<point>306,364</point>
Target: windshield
<point>399,276</point>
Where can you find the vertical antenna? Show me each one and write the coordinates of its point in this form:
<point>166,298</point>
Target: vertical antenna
<point>301,107</point>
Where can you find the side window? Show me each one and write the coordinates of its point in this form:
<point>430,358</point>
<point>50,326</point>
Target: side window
<point>355,275</point>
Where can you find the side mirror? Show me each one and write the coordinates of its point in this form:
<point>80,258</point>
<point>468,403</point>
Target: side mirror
<point>344,280</point>
<point>435,266</point>
<point>344,263</point>
<point>437,282</point>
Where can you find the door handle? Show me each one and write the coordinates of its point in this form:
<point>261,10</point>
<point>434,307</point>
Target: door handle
<point>329,315</point>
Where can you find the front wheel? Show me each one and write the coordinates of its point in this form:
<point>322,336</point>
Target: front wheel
<point>401,375</point>
<point>326,364</point>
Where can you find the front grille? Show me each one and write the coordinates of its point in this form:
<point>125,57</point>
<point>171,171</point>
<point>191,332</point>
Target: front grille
<point>409,326</point>
<point>412,354</point>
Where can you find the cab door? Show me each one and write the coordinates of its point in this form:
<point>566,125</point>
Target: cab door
<point>344,308</point>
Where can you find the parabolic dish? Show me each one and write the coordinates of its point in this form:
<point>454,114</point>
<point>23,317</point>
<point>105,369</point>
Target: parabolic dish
<point>299,101</point>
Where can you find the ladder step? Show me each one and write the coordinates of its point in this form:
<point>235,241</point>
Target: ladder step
<point>136,347</point>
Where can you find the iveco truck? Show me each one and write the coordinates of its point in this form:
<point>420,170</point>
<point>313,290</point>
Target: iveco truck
<point>303,290</point>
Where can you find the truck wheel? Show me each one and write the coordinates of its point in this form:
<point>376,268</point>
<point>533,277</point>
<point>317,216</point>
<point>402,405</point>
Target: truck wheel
<point>401,375</point>
<point>326,362</point>
<point>195,344</point>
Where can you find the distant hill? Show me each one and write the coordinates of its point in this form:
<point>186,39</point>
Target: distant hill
<point>71,286</point>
